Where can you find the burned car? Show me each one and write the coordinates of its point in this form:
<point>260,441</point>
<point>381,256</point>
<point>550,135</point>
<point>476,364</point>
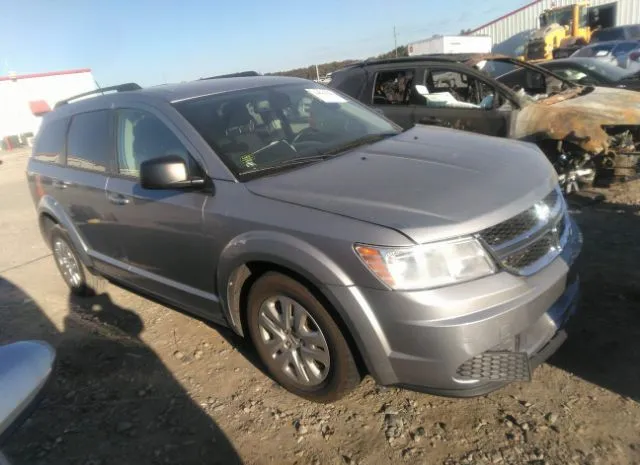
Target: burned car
<point>588,133</point>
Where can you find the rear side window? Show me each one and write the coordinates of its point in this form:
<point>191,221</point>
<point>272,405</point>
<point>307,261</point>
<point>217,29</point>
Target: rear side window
<point>392,87</point>
<point>350,82</point>
<point>49,145</point>
<point>89,141</point>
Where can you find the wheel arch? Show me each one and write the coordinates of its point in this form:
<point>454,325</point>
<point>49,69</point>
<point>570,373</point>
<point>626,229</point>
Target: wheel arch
<point>50,213</point>
<point>245,275</point>
<point>250,256</point>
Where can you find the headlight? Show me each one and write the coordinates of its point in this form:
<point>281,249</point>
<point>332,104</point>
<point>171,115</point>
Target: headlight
<point>427,266</point>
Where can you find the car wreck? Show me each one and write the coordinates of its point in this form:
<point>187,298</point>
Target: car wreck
<point>590,134</point>
<point>593,131</point>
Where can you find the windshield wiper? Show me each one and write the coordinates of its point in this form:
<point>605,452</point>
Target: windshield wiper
<point>286,164</point>
<point>369,139</point>
<point>324,155</point>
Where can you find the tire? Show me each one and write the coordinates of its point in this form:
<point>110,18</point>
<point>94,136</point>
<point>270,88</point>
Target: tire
<point>81,282</point>
<point>318,381</point>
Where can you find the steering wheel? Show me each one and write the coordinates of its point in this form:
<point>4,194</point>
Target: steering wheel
<point>306,134</point>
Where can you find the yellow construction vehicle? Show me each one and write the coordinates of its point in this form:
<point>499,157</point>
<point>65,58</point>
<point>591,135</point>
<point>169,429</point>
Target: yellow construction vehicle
<point>562,30</point>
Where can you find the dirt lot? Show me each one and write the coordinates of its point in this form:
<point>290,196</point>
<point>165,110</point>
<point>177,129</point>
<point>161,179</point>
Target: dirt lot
<point>139,383</point>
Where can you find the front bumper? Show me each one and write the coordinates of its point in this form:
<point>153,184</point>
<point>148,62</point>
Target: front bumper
<point>419,340</point>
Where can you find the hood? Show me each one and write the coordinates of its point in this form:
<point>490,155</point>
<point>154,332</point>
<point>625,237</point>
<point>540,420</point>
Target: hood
<point>429,183</point>
<point>578,114</point>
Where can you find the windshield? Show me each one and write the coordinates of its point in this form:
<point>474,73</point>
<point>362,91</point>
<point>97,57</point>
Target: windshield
<point>562,16</point>
<point>532,82</point>
<point>607,34</point>
<point>595,50</point>
<point>611,72</point>
<point>281,126</point>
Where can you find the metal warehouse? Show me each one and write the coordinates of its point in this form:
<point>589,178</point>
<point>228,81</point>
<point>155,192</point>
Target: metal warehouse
<point>24,97</point>
<point>510,32</point>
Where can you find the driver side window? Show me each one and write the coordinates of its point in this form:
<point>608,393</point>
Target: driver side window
<point>142,136</point>
<point>454,89</point>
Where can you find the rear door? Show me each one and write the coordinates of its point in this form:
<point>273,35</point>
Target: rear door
<point>163,246</point>
<point>450,96</point>
<point>390,93</point>
<point>81,188</point>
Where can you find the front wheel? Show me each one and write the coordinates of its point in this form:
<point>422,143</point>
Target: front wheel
<point>298,340</point>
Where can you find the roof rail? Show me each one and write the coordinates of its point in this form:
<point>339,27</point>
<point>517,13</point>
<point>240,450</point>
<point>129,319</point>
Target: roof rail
<point>240,74</point>
<point>101,90</point>
<point>434,57</point>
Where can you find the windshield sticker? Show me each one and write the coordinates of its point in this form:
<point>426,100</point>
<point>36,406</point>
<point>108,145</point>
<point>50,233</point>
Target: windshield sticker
<point>326,95</point>
<point>248,161</point>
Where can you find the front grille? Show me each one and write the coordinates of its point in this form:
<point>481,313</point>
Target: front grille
<point>531,254</point>
<point>496,366</point>
<point>518,225</point>
<point>530,240</point>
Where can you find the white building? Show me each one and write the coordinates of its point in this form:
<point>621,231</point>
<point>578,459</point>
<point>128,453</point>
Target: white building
<point>511,30</point>
<point>23,97</point>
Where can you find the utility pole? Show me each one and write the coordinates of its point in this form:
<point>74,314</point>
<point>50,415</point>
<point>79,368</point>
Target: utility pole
<point>395,41</point>
<point>317,73</point>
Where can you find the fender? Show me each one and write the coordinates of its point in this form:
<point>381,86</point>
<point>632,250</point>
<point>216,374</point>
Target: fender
<point>308,261</point>
<point>277,248</point>
<point>50,206</point>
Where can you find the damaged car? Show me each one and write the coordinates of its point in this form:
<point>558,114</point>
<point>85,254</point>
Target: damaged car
<point>590,134</point>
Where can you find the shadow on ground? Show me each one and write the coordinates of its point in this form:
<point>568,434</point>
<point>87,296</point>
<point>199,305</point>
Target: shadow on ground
<point>604,336</point>
<point>112,401</point>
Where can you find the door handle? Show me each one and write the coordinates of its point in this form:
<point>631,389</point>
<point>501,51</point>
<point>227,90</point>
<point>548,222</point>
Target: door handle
<point>117,199</point>
<point>59,184</point>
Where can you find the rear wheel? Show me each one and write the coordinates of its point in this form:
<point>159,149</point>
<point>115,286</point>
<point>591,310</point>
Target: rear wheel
<point>80,280</point>
<point>298,340</point>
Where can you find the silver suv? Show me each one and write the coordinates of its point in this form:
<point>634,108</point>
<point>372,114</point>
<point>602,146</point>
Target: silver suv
<point>341,245</point>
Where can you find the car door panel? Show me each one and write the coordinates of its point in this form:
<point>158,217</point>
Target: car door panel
<point>81,193</point>
<point>163,246</point>
<point>402,115</point>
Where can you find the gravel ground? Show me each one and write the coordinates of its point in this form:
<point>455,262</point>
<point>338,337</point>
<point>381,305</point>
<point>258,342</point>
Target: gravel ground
<point>138,383</point>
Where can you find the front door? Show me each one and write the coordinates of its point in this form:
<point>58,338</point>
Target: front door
<point>163,242</point>
<point>454,98</point>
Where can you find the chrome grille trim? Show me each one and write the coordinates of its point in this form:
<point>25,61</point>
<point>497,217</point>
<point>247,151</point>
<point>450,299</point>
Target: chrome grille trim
<point>529,241</point>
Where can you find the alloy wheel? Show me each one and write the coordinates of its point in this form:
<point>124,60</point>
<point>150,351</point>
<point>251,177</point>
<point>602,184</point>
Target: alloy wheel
<point>69,266</point>
<point>293,339</point>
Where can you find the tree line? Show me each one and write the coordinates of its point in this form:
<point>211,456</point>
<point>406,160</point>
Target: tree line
<point>309,72</point>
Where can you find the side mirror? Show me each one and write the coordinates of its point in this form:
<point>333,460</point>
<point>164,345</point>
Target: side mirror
<point>170,172</point>
<point>25,368</point>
